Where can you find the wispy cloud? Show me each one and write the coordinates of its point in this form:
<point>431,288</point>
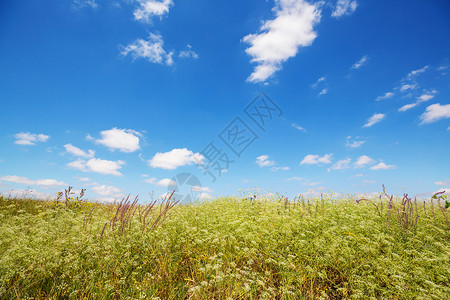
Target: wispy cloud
<point>298,127</point>
<point>188,53</point>
<point>385,96</point>
<point>344,7</point>
<point>353,142</point>
<point>374,120</point>
<point>151,49</point>
<point>323,92</point>
<point>316,84</point>
<point>422,98</point>
<point>78,152</point>
<point>77,4</point>
<point>27,181</point>
<point>363,61</point>
<point>30,139</point>
<point>341,164</point>
<point>279,39</point>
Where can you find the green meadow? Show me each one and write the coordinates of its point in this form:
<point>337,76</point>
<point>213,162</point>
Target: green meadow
<point>228,248</point>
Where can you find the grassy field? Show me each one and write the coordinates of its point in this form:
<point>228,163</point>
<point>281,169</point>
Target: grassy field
<point>228,248</point>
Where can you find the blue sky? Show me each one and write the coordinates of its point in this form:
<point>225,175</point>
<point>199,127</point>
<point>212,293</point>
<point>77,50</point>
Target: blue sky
<point>119,97</point>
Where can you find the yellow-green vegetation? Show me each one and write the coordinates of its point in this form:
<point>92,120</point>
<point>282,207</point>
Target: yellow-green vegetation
<point>228,248</point>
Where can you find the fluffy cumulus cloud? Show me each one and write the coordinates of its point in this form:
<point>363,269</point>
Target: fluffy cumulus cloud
<point>26,138</point>
<point>263,161</point>
<point>150,8</point>
<point>166,182</point>
<point>106,190</point>
<point>151,49</point>
<point>435,112</point>
<point>363,161</point>
<point>78,152</point>
<point>27,181</point>
<point>363,61</point>
<point>280,38</point>
<point>315,159</point>
<point>175,158</point>
<point>97,165</point>
<point>125,140</point>
<point>374,120</point>
<point>382,166</point>
<point>344,7</point>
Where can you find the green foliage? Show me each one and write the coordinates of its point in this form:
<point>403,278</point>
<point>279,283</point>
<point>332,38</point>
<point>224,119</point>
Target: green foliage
<point>229,248</point>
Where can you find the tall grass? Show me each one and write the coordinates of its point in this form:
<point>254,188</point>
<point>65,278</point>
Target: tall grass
<point>228,248</point>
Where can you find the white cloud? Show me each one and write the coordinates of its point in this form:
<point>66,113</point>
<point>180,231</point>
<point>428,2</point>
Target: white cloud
<point>445,190</point>
<point>323,92</point>
<point>298,127</point>
<point>361,62</point>
<point>280,38</point>
<point>26,138</point>
<point>383,166</point>
<point>295,178</point>
<point>205,196</point>
<point>363,160</point>
<point>435,112</point>
<point>344,7</point>
<point>125,140</point>
<point>151,49</point>
<point>408,106</point>
<point>198,188</point>
<point>84,3</point>
<point>422,98</point>
<point>150,180</point>
<point>374,120</point>
<point>28,193</point>
<point>263,161</point>
<point>106,190</point>
<point>166,182</point>
<point>189,53</point>
<point>369,181</point>
<point>78,152</point>
<point>385,96</point>
<point>97,165</point>
<point>414,73</point>
<point>443,182</point>
<point>150,8</point>
<point>316,84</point>
<point>407,87</point>
<point>314,159</point>
<point>425,97</point>
<point>353,142</point>
<point>175,158</point>
<point>341,164</point>
<point>274,169</point>
<point>27,181</point>
<point>84,179</point>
